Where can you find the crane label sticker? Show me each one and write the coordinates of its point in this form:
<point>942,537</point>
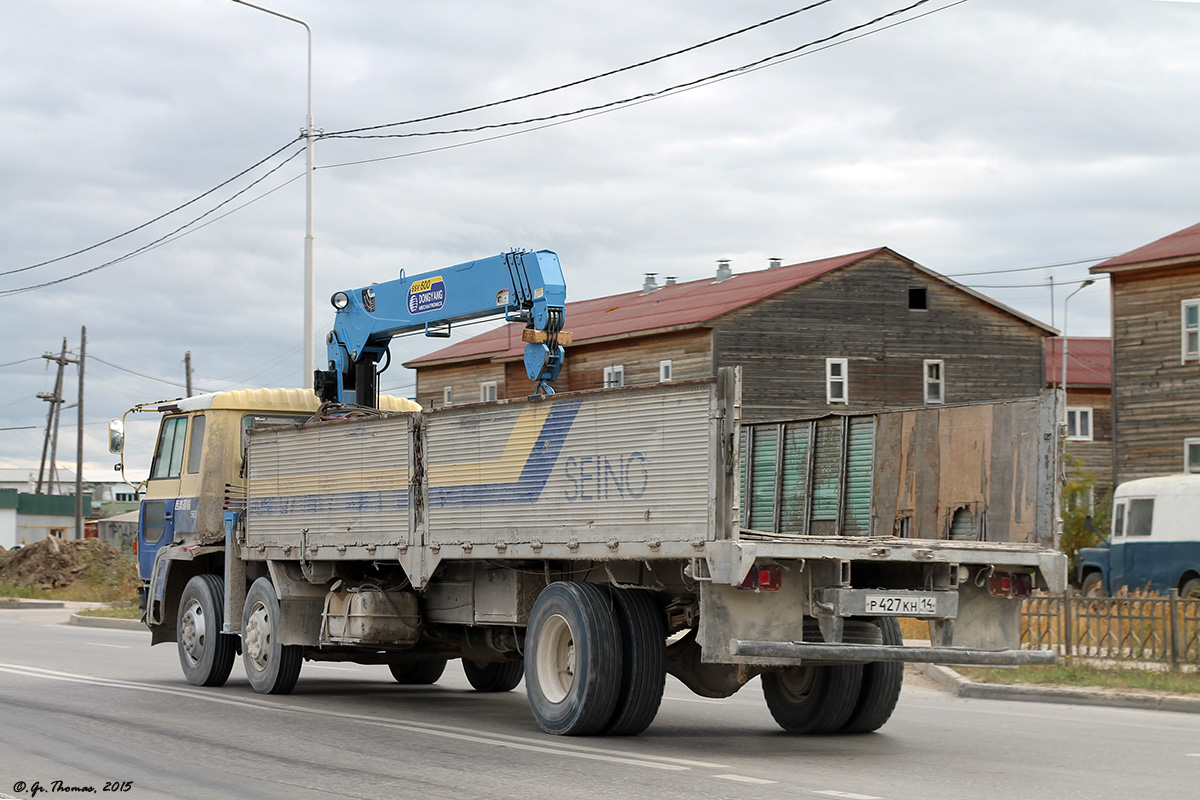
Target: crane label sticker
<point>427,294</point>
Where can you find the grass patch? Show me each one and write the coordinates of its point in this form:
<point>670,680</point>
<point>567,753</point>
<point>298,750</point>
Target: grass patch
<point>120,612</point>
<point>11,591</point>
<point>1082,676</point>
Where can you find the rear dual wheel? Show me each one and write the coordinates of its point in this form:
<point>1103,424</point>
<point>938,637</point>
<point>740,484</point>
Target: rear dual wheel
<point>498,676</point>
<point>595,660</point>
<point>271,666</point>
<point>419,673</point>
<point>851,698</point>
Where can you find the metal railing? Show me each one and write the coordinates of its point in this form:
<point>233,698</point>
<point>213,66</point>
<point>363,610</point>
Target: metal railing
<point>1138,628</point>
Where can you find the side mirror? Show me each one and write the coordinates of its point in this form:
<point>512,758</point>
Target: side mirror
<point>116,436</point>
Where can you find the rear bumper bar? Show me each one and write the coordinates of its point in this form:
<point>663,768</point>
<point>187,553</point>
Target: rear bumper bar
<point>864,653</point>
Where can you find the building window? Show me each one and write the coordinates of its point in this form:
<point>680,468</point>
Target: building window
<point>934,380</point>
<point>614,376</point>
<point>58,533</point>
<point>487,391</point>
<point>1191,330</point>
<point>918,298</point>
<point>664,371</point>
<point>448,396</point>
<point>1079,424</point>
<point>836,381</point>
<point>1191,455</point>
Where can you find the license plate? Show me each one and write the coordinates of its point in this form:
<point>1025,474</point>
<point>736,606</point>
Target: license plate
<point>901,605</point>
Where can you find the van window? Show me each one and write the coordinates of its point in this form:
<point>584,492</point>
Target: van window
<point>1119,521</point>
<point>168,456</point>
<point>1141,515</point>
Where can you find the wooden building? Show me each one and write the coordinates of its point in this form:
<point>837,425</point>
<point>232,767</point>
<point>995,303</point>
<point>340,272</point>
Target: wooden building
<point>1089,435</point>
<point>1156,357</point>
<point>856,332</point>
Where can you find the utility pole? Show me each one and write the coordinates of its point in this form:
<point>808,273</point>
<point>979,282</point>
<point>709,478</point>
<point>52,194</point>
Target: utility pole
<point>79,441</point>
<point>187,368</point>
<point>55,400</point>
<point>48,472</point>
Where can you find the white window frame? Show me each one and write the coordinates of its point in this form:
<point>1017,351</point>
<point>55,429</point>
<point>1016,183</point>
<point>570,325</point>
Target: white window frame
<point>614,376</point>
<point>488,392</point>
<point>1188,444</point>
<point>1080,435</point>
<point>831,381</point>
<point>448,396</point>
<point>1187,332</point>
<point>939,381</point>
<point>666,371</point>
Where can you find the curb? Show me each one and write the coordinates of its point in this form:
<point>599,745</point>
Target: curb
<point>32,604</point>
<point>107,622</point>
<point>959,686</point>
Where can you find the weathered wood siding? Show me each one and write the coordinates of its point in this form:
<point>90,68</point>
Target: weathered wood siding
<point>862,313</point>
<point>1156,397</point>
<point>463,379</point>
<point>1096,456</point>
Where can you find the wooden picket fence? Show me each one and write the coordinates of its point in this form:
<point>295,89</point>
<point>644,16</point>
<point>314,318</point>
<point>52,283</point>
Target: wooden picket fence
<point>1138,628</point>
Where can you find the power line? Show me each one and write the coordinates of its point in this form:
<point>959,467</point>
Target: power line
<point>162,239</point>
<point>1031,285</point>
<point>138,374</point>
<point>22,361</point>
<point>752,66</point>
<point>162,216</point>
<point>1027,269</point>
<point>580,82</point>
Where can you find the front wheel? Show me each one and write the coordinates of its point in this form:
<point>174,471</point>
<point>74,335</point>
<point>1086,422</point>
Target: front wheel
<point>1093,585</point>
<point>499,676</point>
<point>572,659</point>
<point>1190,590</point>
<point>205,653</point>
<point>272,667</point>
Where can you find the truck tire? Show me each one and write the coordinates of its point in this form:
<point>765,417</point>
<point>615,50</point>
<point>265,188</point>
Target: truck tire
<point>271,667</point>
<point>1093,585</point>
<point>1190,590</point>
<point>881,683</point>
<point>812,699</point>
<point>499,676</point>
<point>205,653</point>
<point>572,659</point>
<point>644,670</point>
<point>420,673</point>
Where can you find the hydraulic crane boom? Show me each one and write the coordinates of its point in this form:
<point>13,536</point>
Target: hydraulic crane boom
<point>523,286</point>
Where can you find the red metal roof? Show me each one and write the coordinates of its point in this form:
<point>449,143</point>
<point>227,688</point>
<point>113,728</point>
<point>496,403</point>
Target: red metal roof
<point>1089,361</point>
<point>677,306</point>
<point>1180,244</point>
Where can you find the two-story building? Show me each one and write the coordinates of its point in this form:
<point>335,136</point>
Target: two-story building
<point>1155,293</point>
<point>855,332</point>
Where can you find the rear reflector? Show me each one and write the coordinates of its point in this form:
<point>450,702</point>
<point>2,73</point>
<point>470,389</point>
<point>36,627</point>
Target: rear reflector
<point>764,579</point>
<point>1006,584</point>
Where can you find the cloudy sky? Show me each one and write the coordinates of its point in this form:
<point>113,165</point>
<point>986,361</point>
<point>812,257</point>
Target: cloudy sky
<point>984,139</point>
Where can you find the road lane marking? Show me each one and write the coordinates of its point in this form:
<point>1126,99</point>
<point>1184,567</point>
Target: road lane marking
<point>102,644</point>
<point>462,734</point>
<point>743,779</point>
<point>847,795</point>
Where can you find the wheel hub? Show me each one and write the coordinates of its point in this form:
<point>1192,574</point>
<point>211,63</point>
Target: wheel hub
<point>257,637</point>
<point>555,659</point>
<point>192,636</point>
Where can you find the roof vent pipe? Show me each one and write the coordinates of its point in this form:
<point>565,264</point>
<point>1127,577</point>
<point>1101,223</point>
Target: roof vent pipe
<point>724,273</point>
<point>774,263</point>
<point>670,280</point>
<point>650,285</point>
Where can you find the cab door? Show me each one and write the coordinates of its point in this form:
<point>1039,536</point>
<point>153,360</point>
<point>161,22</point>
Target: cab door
<point>156,521</point>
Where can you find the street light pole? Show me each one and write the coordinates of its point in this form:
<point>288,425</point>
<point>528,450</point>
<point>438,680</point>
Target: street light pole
<point>1063,385</point>
<point>309,136</point>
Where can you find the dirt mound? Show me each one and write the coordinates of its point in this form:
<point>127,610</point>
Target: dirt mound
<point>56,563</point>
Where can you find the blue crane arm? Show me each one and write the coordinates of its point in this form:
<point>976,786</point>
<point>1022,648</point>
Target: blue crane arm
<point>523,286</point>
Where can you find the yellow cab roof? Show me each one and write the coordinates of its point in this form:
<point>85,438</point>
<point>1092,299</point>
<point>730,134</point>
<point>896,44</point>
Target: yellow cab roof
<point>280,400</point>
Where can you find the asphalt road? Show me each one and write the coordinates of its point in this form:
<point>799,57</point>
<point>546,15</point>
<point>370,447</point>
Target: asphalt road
<point>101,709</point>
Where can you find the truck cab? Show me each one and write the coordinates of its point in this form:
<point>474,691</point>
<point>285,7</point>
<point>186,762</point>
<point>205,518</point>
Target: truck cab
<point>1154,542</point>
<point>197,472</point>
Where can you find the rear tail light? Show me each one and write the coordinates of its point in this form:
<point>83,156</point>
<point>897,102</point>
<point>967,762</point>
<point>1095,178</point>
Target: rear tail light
<point>1014,584</point>
<point>764,579</point>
